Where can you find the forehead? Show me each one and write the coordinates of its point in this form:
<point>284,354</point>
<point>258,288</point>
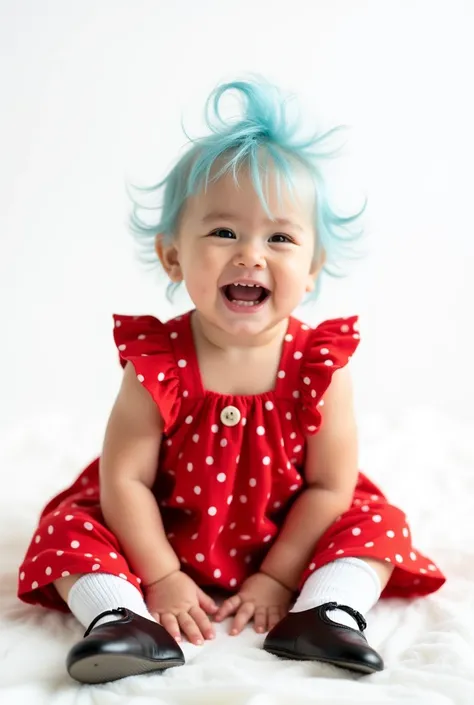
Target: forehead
<point>228,195</point>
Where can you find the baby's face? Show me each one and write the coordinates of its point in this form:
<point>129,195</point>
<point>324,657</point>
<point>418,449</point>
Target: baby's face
<point>244,272</point>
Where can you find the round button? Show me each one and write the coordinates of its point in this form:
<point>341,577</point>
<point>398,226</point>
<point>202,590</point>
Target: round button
<point>230,416</point>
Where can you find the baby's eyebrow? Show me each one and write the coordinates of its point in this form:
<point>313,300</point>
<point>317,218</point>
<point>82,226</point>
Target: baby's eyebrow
<point>220,215</point>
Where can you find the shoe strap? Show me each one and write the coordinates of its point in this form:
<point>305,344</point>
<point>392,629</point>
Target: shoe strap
<point>119,610</point>
<point>361,623</point>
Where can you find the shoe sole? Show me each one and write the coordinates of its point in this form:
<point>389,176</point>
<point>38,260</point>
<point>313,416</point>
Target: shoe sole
<point>104,668</point>
<point>352,666</point>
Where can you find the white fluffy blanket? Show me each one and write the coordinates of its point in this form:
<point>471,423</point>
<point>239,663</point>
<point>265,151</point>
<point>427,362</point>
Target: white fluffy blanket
<point>423,461</point>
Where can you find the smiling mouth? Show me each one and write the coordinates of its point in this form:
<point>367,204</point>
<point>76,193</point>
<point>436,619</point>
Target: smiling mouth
<point>245,295</point>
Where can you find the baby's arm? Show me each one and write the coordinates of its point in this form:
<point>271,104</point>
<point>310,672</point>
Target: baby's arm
<point>128,469</point>
<point>331,472</point>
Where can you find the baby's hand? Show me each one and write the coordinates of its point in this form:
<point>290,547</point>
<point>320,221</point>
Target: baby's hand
<point>261,598</point>
<point>178,604</point>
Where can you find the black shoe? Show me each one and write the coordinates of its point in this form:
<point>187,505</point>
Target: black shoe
<point>311,636</point>
<point>126,647</point>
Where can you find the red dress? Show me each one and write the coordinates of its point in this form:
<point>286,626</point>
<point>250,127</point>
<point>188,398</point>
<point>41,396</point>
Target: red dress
<point>230,467</point>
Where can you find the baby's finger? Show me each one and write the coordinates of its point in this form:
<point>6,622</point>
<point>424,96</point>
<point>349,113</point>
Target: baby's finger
<point>228,607</point>
<point>190,628</point>
<point>275,615</point>
<point>243,616</point>
<point>203,622</point>
<point>170,623</point>
<point>260,619</point>
<point>206,602</point>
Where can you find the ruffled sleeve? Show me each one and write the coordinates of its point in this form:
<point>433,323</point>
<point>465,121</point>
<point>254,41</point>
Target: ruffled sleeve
<point>329,347</point>
<point>144,341</point>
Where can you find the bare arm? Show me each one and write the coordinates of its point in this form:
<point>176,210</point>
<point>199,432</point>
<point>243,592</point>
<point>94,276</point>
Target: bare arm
<point>331,472</point>
<point>127,472</point>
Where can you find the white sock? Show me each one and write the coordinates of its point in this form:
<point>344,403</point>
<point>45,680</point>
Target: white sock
<point>94,593</point>
<point>348,581</point>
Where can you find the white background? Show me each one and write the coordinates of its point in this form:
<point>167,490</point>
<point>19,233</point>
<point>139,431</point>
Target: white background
<point>93,92</point>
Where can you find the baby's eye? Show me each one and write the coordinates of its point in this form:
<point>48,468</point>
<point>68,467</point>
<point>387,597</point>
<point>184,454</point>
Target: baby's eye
<point>223,233</point>
<point>280,237</point>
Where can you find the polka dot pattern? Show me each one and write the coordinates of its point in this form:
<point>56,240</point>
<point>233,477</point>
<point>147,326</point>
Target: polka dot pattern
<point>226,490</point>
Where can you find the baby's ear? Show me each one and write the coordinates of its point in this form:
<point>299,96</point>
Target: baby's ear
<point>317,264</point>
<point>168,255</point>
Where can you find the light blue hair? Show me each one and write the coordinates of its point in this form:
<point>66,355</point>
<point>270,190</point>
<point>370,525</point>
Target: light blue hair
<point>264,139</point>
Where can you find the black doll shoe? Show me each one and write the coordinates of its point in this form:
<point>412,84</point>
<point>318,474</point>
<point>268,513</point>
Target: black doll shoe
<point>126,647</point>
<point>312,636</point>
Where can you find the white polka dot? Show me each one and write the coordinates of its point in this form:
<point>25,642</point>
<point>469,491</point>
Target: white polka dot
<point>245,537</point>
<point>214,428</point>
<point>405,532</point>
<point>328,363</point>
<point>413,555</point>
<point>233,582</point>
<point>288,415</point>
<point>296,449</point>
<point>233,552</point>
<point>324,351</point>
<point>90,491</point>
<point>188,419</point>
<point>423,570</point>
<point>232,525</point>
<point>48,570</point>
<point>59,553</point>
<point>288,465</point>
<point>221,529</point>
<point>277,505</point>
<point>75,544</point>
<point>196,437</point>
<point>118,323</point>
<point>304,327</point>
<point>96,566</point>
<point>50,529</point>
<point>194,537</point>
<point>209,460</point>
<point>377,518</point>
<point>56,514</point>
<point>185,393</point>
<point>312,566</point>
<point>293,488</point>
<point>22,575</point>
<point>88,526</point>
<point>293,435</point>
<point>113,555</point>
<point>37,538</point>
<point>140,378</point>
<point>69,517</point>
<point>169,442</point>
<point>356,531</point>
<point>189,467</point>
<point>311,429</point>
<point>374,496</point>
<point>365,508</point>
<point>161,377</point>
<point>356,336</point>
<point>369,544</point>
<point>298,355</point>
<point>223,442</point>
<point>197,490</point>
<point>65,574</point>
<point>306,380</point>
<point>340,552</point>
<point>398,558</point>
<point>260,430</point>
<point>248,559</point>
<point>217,573</point>
<point>390,534</point>
<point>199,557</point>
<point>243,498</point>
<point>221,477</point>
<point>267,538</point>
<point>432,567</point>
<point>296,394</point>
<point>268,405</point>
<point>252,482</point>
<point>388,560</point>
<point>281,374</point>
<point>212,511</point>
<point>266,460</point>
<point>34,585</point>
<point>288,337</point>
<point>179,500</point>
<point>229,499</point>
<point>237,460</point>
<point>123,576</point>
<point>331,545</point>
<point>345,328</point>
<point>173,335</point>
<point>182,363</point>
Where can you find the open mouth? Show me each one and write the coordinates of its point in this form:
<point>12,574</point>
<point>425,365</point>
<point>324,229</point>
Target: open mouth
<point>245,295</point>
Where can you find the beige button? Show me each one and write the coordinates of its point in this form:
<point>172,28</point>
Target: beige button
<point>230,416</point>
